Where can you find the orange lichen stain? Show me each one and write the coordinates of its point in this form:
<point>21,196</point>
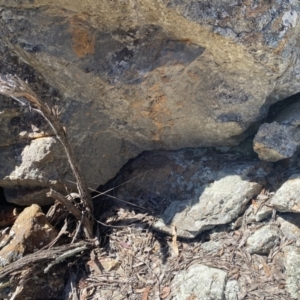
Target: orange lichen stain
<point>83,37</point>
<point>157,112</point>
<point>154,109</point>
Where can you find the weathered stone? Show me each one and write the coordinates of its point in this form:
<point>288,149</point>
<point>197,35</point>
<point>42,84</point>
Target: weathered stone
<point>232,290</point>
<point>220,203</point>
<point>211,246</point>
<point>286,199</point>
<point>30,232</point>
<point>199,282</point>
<point>263,239</point>
<point>129,80</point>
<point>274,142</point>
<point>196,189</point>
<point>292,267</point>
<point>280,139</point>
<point>290,225</point>
<point>37,165</point>
<point>263,212</point>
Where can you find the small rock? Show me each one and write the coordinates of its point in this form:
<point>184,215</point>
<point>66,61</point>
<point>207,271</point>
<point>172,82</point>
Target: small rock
<point>199,282</point>
<point>274,142</point>
<point>292,266</point>
<point>34,171</point>
<point>220,203</point>
<point>290,225</point>
<point>232,290</point>
<point>263,213</point>
<point>30,232</point>
<point>263,239</point>
<point>211,246</point>
<point>287,199</point>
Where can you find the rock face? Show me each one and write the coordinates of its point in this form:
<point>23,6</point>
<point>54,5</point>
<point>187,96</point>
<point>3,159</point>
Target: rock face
<point>141,75</point>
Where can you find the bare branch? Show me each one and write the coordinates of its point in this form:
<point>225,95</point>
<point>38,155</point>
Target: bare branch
<point>77,213</point>
<point>16,88</point>
<point>44,256</point>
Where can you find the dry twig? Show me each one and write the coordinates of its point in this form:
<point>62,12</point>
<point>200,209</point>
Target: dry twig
<point>19,90</point>
<point>40,256</point>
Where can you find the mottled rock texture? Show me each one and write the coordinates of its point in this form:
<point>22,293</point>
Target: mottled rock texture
<point>274,142</point>
<point>281,138</point>
<point>200,282</point>
<point>292,265</point>
<point>142,74</point>
<point>194,189</point>
<point>286,199</point>
<point>263,239</point>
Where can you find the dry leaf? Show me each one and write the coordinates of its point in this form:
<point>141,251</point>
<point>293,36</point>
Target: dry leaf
<point>266,268</point>
<point>165,292</point>
<point>124,245</point>
<point>221,252</point>
<point>174,240</point>
<point>146,293</point>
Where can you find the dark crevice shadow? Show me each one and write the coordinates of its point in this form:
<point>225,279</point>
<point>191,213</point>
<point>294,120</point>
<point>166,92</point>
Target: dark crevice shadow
<point>149,166</point>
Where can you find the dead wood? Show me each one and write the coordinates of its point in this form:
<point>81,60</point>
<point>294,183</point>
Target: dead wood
<point>19,90</point>
<point>57,254</point>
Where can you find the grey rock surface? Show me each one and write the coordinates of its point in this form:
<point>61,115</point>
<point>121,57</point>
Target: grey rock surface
<point>281,138</point>
<point>232,290</point>
<point>292,265</point>
<point>130,81</point>
<point>274,142</point>
<point>286,199</point>
<point>263,239</point>
<point>199,282</point>
<point>220,203</point>
<point>195,189</point>
<point>38,164</point>
<point>254,216</point>
<point>211,246</point>
<point>290,225</point>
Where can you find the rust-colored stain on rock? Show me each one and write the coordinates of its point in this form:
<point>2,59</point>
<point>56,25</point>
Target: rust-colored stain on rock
<point>83,37</point>
<point>157,110</point>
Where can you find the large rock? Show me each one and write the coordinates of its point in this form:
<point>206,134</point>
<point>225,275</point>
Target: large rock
<point>194,189</point>
<point>141,75</point>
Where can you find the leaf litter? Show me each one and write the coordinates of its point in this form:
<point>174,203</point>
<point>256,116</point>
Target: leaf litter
<point>145,261</point>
